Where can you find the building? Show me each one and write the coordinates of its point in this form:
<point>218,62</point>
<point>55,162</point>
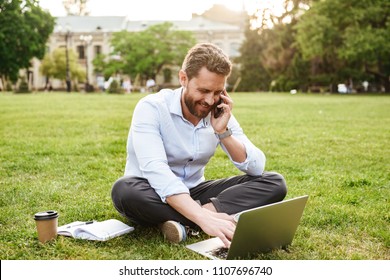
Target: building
<point>90,36</point>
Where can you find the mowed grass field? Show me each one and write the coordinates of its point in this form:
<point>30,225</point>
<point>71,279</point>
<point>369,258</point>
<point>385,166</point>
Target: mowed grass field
<point>64,151</point>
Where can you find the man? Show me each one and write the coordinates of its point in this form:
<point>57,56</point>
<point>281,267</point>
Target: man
<point>150,84</point>
<point>173,135</point>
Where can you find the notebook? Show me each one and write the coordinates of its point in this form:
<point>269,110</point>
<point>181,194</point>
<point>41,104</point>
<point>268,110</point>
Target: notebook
<point>93,230</point>
<point>258,230</point>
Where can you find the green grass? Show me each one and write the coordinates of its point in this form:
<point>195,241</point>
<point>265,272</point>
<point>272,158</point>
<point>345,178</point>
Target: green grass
<point>64,151</point>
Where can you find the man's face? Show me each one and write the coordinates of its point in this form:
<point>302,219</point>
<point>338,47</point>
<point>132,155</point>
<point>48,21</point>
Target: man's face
<point>201,93</point>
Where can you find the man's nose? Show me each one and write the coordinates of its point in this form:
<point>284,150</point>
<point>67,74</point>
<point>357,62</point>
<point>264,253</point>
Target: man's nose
<point>210,99</point>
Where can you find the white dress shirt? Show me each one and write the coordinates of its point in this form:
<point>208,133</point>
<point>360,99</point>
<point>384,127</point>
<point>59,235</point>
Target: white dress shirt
<point>170,152</point>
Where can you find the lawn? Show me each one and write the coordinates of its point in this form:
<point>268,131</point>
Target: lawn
<point>64,151</point>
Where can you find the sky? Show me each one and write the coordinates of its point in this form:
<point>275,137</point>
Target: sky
<point>150,9</point>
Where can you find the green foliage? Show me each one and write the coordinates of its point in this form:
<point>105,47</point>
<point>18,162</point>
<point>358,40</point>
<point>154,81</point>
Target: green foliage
<point>253,73</point>
<point>332,42</point>
<point>269,57</point>
<point>23,86</point>
<point>99,65</point>
<point>114,87</point>
<point>348,34</point>
<point>147,52</point>
<point>54,65</point>
<point>107,67</point>
<point>64,152</point>
<point>24,30</point>
<point>8,87</point>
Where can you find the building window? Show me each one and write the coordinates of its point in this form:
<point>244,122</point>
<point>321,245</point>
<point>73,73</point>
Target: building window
<point>98,50</point>
<point>81,51</point>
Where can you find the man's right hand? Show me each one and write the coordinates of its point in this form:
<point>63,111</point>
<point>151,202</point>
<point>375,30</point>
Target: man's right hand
<point>220,225</point>
<point>212,223</point>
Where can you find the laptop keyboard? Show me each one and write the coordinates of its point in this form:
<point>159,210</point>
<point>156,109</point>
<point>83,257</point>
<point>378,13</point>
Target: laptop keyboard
<point>220,253</point>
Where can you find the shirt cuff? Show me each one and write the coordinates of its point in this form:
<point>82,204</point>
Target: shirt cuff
<point>179,189</point>
<point>254,164</point>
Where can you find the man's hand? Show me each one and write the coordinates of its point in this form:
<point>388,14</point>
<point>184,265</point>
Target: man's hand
<point>219,224</point>
<point>236,149</point>
<point>212,223</point>
<point>219,124</point>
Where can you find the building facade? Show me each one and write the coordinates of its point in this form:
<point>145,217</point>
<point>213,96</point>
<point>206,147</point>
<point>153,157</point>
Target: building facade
<point>90,36</point>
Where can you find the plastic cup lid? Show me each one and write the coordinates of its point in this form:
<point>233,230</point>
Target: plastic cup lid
<point>46,215</point>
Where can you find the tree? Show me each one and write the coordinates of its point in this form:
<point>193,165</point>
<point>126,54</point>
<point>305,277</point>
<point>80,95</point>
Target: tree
<point>76,7</point>
<point>253,74</point>
<point>269,57</point>
<point>107,66</point>
<point>349,39</point>
<point>54,65</point>
<point>24,31</point>
<point>149,51</point>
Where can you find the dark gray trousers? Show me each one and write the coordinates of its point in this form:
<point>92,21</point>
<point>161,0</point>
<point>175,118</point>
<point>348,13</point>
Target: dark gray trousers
<point>135,199</point>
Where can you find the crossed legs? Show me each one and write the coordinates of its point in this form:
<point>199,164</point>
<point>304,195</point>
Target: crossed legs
<point>135,199</point>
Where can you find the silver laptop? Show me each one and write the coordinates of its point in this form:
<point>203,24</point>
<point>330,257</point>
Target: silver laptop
<point>258,230</point>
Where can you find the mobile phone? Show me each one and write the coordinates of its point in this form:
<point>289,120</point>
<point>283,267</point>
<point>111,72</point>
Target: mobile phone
<point>218,111</point>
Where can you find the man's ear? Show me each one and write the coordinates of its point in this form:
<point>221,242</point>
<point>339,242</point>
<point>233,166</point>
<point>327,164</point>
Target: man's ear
<point>183,78</point>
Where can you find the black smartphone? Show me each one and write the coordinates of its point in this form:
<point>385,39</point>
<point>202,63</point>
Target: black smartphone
<point>218,111</point>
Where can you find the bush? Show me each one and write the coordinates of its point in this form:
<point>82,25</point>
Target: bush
<point>23,86</point>
<point>89,88</point>
<point>114,87</point>
<point>8,87</point>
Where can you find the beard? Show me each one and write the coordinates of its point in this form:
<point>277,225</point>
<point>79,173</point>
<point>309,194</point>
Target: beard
<point>192,107</point>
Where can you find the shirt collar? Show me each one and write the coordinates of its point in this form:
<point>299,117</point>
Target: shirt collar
<point>175,108</point>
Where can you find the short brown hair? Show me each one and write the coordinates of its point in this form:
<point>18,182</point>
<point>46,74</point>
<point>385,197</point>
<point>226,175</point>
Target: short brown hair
<point>209,56</point>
